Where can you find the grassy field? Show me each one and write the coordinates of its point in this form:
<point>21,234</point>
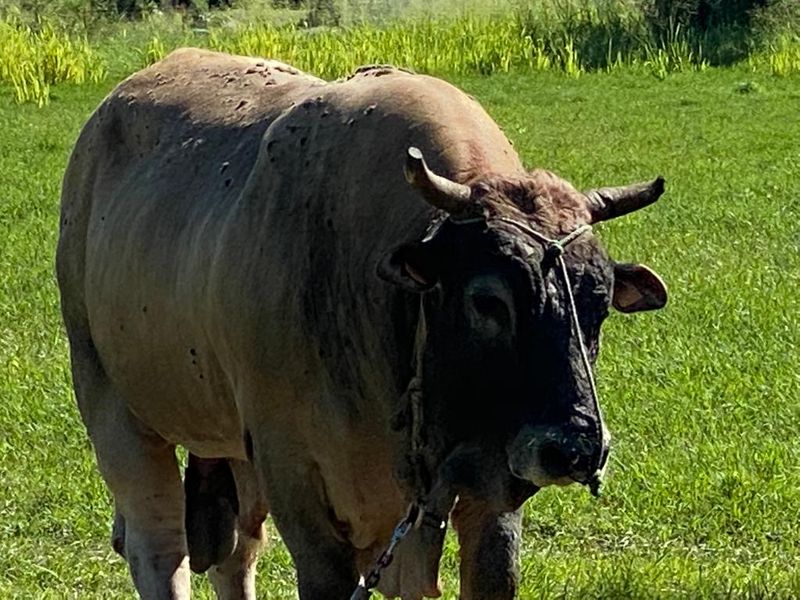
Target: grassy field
<point>39,50</point>
<point>703,398</point>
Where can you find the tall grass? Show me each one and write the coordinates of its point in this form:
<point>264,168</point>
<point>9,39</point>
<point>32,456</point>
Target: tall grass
<point>32,61</point>
<point>571,43</point>
<point>569,36</point>
<point>464,45</point>
<point>781,57</point>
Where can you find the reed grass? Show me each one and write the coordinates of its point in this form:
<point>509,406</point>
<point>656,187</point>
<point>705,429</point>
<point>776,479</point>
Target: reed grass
<point>780,58</point>
<point>581,36</point>
<point>31,61</point>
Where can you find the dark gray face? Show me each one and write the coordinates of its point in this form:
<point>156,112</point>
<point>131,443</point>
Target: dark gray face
<point>503,363</point>
<point>507,386</point>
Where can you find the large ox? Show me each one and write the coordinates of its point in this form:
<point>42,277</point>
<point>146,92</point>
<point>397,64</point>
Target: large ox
<point>261,267</point>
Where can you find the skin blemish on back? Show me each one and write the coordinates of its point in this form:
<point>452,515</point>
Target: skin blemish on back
<point>224,167</point>
<point>228,182</point>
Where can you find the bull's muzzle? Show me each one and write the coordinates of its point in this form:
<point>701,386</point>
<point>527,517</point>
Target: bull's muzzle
<point>553,455</point>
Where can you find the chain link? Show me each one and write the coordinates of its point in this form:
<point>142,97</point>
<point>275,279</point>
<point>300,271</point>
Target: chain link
<point>365,584</point>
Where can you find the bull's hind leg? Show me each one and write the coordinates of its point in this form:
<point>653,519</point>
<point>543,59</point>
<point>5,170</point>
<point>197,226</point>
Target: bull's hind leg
<point>142,473</point>
<point>235,577</point>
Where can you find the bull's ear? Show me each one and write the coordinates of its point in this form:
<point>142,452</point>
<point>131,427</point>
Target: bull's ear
<point>637,287</point>
<point>411,266</point>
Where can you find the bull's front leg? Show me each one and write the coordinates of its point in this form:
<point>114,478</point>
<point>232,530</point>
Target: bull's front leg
<point>489,550</point>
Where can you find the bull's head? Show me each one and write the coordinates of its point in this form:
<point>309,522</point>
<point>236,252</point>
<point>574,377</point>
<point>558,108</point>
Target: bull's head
<point>503,366</point>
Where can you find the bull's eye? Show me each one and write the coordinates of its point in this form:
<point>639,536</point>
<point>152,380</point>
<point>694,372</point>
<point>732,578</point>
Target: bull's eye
<point>489,306</point>
<point>490,314</point>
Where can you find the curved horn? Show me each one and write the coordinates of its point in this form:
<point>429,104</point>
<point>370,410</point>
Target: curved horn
<point>608,203</point>
<point>439,191</point>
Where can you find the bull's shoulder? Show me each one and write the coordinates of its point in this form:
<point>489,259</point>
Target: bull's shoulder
<point>422,99</point>
<point>426,111</point>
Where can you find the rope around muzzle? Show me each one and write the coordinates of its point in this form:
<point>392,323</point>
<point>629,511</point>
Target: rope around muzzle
<point>554,249</point>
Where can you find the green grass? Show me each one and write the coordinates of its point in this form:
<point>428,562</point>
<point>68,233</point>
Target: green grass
<point>447,37</point>
<point>33,61</point>
<point>702,398</point>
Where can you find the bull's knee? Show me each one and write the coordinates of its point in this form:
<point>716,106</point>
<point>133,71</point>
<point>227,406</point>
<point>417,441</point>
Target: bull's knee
<point>142,473</point>
<point>154,541</point>
<point>489,551</point>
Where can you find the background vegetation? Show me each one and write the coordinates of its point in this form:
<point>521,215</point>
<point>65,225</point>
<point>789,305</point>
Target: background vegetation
<point>702,398</point>
<point>46,43</point>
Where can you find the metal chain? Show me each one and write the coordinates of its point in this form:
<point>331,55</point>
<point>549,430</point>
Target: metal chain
<point>365,584</point>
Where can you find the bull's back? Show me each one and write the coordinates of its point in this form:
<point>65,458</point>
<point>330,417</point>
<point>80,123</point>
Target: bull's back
<point>150,185</point>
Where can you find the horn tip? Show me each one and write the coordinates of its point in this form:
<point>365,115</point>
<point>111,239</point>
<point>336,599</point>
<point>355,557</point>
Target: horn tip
<point>415,163</point>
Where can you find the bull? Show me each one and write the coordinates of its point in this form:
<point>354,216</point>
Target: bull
<point>223,222</point>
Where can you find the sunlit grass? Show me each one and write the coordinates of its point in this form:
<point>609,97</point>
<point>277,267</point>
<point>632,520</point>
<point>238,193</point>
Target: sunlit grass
<point>460,45</point>
<point>701,398</point>
<point>571,38</point>
<point>781,57</point>
<point>32,61</point>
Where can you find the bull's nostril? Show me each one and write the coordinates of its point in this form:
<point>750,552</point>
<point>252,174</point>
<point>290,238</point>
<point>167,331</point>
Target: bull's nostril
<point>556,459</point>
